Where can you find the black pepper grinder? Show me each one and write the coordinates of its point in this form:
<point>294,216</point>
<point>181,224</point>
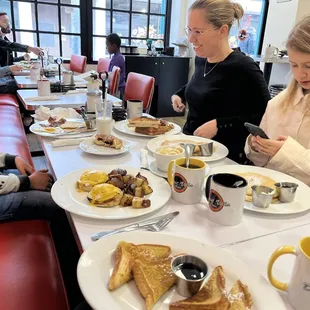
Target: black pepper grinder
<point>103,77</point>
<point>59,62</point>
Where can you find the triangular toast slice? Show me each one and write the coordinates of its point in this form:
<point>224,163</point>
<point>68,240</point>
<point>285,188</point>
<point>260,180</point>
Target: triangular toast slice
<point>240,297</point>
<point>125,256</point>
<point>212,296</point>
<point>153,279</point>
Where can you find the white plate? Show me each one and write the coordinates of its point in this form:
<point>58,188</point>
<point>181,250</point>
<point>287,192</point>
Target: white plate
<point>163,174</point>
<point>122,127</point>
<point>60,133</point>
<point>301,203</point>
<point>96,264</point>
<point>221,151</point>
<point>66,196</point>
<point>90,147</point>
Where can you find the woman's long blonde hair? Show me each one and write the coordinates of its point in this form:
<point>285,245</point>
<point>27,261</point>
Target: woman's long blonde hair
<point>219,12</point>
<point>298,40</point>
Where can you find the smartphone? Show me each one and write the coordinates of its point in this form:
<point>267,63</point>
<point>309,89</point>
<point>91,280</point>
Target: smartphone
<point>255,130</point>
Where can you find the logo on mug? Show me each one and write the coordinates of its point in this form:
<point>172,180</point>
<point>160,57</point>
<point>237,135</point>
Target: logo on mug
<point>306,286</point>
<point>180,184</point>
<point>216,202</point>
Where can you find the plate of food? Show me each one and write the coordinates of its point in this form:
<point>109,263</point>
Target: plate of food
<point>109,192</point>
<point>267,177</point>
<point>105,145</point>
<point>132,271</point>
<point>220,151</point>
<point>25,64</point>
<point>61,127</point>
<point>146,126</point>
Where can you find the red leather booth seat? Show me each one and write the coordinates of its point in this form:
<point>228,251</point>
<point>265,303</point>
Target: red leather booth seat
<point>8,99</point>
<point>30,274</point>
<point>12,135</point>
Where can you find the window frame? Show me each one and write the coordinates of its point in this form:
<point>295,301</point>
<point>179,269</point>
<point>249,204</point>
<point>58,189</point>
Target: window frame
<point>86,23</point>
<point>37,32</point>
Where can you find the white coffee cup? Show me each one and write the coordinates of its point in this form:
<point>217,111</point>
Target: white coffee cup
<point>225,193</point>
<point>271,52</point>
<point>164,155</point>
<point>187,183</point>
<point>34,74</point>
<point>298,288</point>
<point>134,108</point>
<point>44,87</point>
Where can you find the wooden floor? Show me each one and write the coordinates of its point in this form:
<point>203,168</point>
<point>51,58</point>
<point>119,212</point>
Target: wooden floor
<point>40,162</point>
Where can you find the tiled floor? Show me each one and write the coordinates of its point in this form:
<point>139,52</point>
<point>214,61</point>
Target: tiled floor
<point>40,162</point>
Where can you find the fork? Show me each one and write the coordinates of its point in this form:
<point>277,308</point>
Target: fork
<point>160,225</point>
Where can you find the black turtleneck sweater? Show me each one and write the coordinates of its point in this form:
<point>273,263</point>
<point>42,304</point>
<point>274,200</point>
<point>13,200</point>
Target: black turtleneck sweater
<point>233,93</point>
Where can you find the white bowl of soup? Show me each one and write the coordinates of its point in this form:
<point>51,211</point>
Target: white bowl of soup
<point>165,154</point>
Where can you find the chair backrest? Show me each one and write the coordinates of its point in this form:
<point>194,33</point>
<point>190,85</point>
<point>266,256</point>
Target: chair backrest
<point>114,80</point>
<point>78,63</point>
<point>141,87</point>
<point>103,64</point>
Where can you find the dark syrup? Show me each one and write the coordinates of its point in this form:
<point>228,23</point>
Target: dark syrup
<point>191,271</point>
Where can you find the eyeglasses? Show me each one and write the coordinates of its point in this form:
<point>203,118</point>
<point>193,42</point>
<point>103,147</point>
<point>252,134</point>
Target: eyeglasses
<point>196,33</point>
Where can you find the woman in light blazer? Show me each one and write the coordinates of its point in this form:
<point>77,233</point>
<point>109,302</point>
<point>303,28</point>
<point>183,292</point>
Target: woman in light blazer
<point>287,117</point>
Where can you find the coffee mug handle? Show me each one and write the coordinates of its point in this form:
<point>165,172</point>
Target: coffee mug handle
<point>169,172</point>
<point>208,186</point>
<point>275,255</point>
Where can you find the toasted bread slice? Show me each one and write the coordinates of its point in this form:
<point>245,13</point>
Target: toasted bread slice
<point>125,256</point>
<point>153,279</point>
<point>152,131</point>
<point>143,121</point>
<point>108,141</point>
<point>212,296</point>
<point>240,297</point>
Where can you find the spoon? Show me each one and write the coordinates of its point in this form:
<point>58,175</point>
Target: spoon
<point>189,150</point>
<point>237,183</point>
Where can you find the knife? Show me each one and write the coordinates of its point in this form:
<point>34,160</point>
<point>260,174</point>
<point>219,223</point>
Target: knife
<point>134,226</point>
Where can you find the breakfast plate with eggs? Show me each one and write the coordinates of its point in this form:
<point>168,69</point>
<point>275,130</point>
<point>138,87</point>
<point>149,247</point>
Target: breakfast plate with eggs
<point>60,128</point>
<point>267,177</point>
<point>220,151</point>
<point>112,193</point>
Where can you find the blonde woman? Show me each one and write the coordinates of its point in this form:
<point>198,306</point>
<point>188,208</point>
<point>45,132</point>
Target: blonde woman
<point>287,117</point>
<point>227,88</point>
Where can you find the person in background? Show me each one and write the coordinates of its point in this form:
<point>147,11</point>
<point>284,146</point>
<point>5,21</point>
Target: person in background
<point>113,43</point>
<point>7,82</point>
<point>287,118</point>
<point>247,40</point>
<point>227,88</point>
<point>7,47</point>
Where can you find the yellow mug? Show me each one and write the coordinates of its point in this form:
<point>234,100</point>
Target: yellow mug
<point>299,287</point>
<point>187,183</point>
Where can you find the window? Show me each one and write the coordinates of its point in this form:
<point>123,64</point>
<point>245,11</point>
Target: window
<point>252,22</point>
<point>66,27</point>
<point>134,21</point>
<point>51,24</point>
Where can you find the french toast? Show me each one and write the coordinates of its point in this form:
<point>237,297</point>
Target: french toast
<point>239,297</point>
<point>258,179</point>
<point>153,279</point>
<point>212,296</point>
<point>152,131</point>
<point>143,121</point>
<point>125,256</point>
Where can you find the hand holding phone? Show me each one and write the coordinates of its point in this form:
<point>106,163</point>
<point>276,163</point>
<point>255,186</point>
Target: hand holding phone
<point>255,131</point>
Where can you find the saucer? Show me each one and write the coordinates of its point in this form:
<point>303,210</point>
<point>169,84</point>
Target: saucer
<point>156,171</point>
<point>163,174</point>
